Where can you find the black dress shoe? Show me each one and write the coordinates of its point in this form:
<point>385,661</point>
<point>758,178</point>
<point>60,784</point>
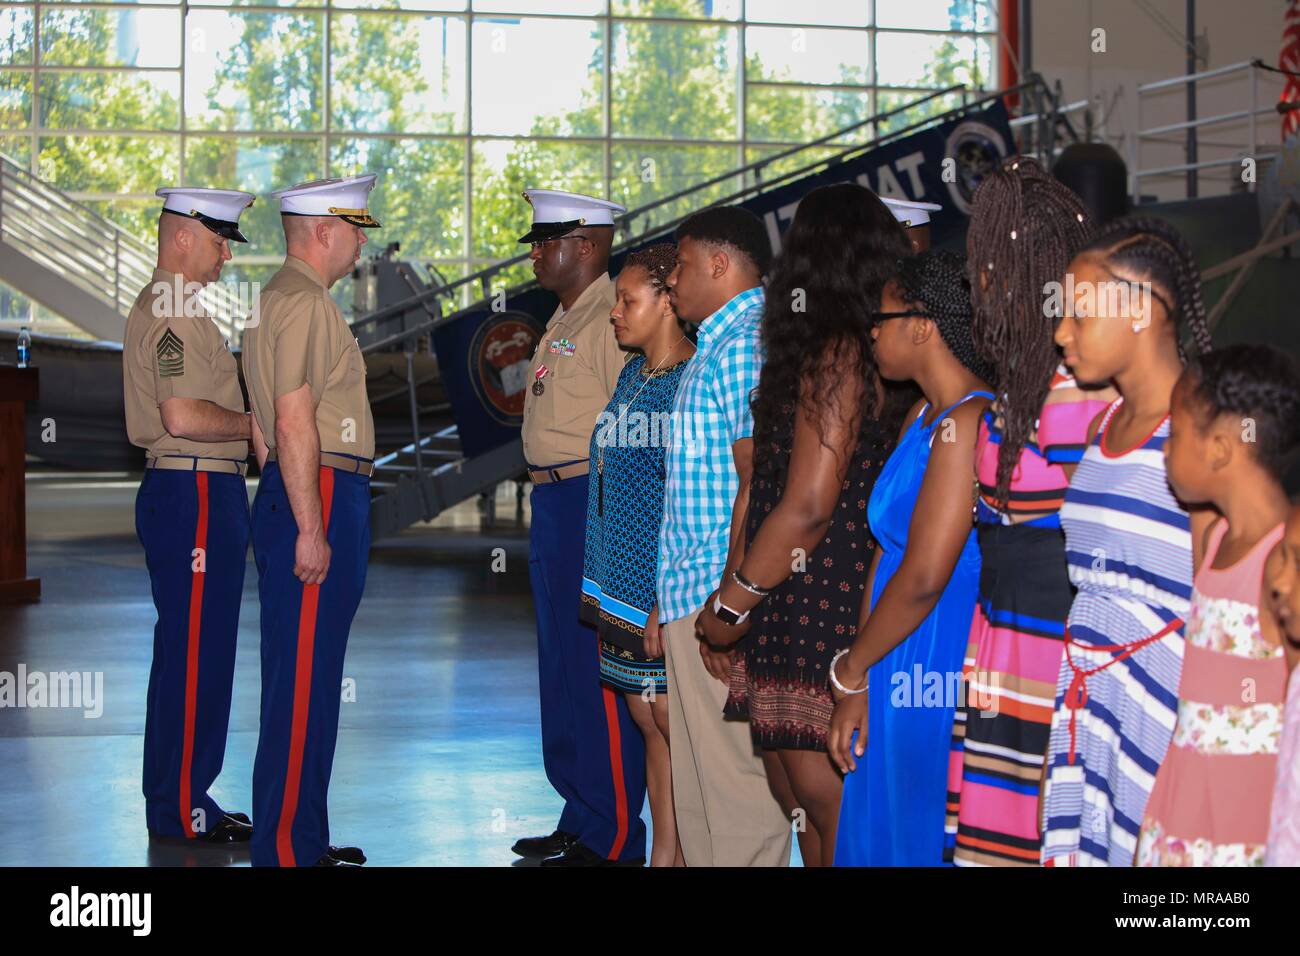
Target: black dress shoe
<point>347,854</point>
<point>229,830</point>
<point>328,860</point>
<point>539,848</point>
<point>241,817</point>
<point>579,855</point>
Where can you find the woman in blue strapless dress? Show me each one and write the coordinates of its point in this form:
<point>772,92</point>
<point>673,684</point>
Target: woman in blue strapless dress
<point>893,741</point>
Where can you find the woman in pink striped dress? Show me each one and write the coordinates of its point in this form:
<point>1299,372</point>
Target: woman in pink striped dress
<point>1235,417</point>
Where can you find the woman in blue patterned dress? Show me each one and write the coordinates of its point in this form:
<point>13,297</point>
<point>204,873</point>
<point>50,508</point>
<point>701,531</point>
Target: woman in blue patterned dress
<point>1129,545</point>
<point>624,511</point>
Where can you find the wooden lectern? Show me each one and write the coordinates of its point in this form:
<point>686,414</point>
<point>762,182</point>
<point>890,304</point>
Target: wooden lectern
<point>17,387</point>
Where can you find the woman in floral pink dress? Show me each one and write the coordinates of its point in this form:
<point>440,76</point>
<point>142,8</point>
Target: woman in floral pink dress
<point>1235,417</point>
<point>1282,580</point>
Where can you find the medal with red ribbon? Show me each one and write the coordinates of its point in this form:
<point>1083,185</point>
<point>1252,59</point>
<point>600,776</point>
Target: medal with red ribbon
<point>538,385</point>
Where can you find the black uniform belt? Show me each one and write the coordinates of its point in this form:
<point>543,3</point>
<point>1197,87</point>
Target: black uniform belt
<point>569,469</point>
<point>359,466</point>
<point>189,463</point>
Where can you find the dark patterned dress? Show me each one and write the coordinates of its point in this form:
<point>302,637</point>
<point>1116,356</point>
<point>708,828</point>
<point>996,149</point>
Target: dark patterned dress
<point>779,678</point>
<point>625,507</point>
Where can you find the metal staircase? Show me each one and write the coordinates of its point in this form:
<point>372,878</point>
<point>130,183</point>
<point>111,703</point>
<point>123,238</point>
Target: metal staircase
<point>83,266</point>
<point>77,263</point>
<point>430,473</point>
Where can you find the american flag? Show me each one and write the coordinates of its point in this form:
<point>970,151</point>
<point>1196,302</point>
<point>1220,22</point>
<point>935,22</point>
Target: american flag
<point>1289,59</point>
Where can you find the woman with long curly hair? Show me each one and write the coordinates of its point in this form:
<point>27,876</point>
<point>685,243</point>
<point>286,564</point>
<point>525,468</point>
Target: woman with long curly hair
<point>1025,226</point>
<point>819,442</point>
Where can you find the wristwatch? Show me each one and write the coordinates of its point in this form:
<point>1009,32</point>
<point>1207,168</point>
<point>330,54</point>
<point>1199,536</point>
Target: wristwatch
<point>727,615</point>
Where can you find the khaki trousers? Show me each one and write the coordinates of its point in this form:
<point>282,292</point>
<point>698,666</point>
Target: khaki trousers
<point>726,814</point>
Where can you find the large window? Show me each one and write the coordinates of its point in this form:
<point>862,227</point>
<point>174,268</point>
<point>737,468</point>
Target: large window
<point>457,104</point>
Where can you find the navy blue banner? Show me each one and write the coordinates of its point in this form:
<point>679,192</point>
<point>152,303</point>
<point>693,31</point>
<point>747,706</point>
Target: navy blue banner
<point>915,167</point>
<point>483,360</point>
<point>479,355</point>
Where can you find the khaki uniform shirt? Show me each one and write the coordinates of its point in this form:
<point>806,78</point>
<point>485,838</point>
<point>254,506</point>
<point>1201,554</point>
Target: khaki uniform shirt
<point>583,361</point>
<point>301,338</point>
<point>167,353</point>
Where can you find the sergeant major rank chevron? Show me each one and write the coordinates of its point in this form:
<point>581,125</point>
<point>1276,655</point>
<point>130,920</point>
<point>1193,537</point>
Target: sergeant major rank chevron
<point>171,355</point>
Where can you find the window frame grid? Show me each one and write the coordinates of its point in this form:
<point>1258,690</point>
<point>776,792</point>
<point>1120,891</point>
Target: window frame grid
<point>604,22</point>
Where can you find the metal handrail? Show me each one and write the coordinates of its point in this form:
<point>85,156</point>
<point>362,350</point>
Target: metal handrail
<point>1200,121</point>
<point>759,164</point>
<point>1194,77</point>
<point>1137,174</point>
<point>1025,119</point>
<point>1206,164</point>
<point>397,308</point>
<point>91,252</point>
<point>65,235</point>
<point>487,272</point>
<point>425,466</point>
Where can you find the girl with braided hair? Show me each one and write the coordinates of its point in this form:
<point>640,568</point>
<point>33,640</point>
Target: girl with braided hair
<point>1234,423</point>
<point>895,684</point>
<point>1025,227</point>
<point>625,507</point>
<point>1129,544</point>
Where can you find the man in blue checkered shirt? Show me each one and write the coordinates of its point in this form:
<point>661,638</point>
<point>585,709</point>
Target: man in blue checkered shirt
<point>726,814</point>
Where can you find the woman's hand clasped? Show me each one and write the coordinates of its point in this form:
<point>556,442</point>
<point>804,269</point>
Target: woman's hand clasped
<point>711,630</point>
<point>652,635</point>
<point>850,715</point>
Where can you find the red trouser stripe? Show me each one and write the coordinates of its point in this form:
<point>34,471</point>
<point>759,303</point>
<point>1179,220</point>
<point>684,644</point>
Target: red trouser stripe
<point>302,690</point>
<point>192,652</point>
<point>616,767</point>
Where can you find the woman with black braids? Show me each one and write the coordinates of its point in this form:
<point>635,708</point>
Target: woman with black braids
<point>819,442</point>
<point>1129,543</point>
<point>1025,227</point>
<point>923,580</point>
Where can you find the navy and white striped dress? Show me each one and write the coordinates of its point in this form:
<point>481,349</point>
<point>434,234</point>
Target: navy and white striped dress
<point>1129,548</point>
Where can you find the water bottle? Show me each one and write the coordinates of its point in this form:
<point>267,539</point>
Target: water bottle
<point>24,347</point>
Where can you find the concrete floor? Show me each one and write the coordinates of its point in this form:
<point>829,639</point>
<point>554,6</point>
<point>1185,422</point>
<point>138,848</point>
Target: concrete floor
<point>438,761</point>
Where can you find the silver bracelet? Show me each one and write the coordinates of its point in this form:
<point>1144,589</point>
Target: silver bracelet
<point>836,681</point>
<point>749,585</point>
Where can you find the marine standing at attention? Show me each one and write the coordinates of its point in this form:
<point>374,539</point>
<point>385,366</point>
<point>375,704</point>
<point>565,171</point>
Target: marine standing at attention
<point>315,440</point>
<point>593,753</point>
<point>184,407</point>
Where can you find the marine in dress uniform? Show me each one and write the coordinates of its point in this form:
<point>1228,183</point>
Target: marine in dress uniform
<point>593,752</point>
<point>311,517</point>
<point>915,218</point>
<point>185,408</point>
